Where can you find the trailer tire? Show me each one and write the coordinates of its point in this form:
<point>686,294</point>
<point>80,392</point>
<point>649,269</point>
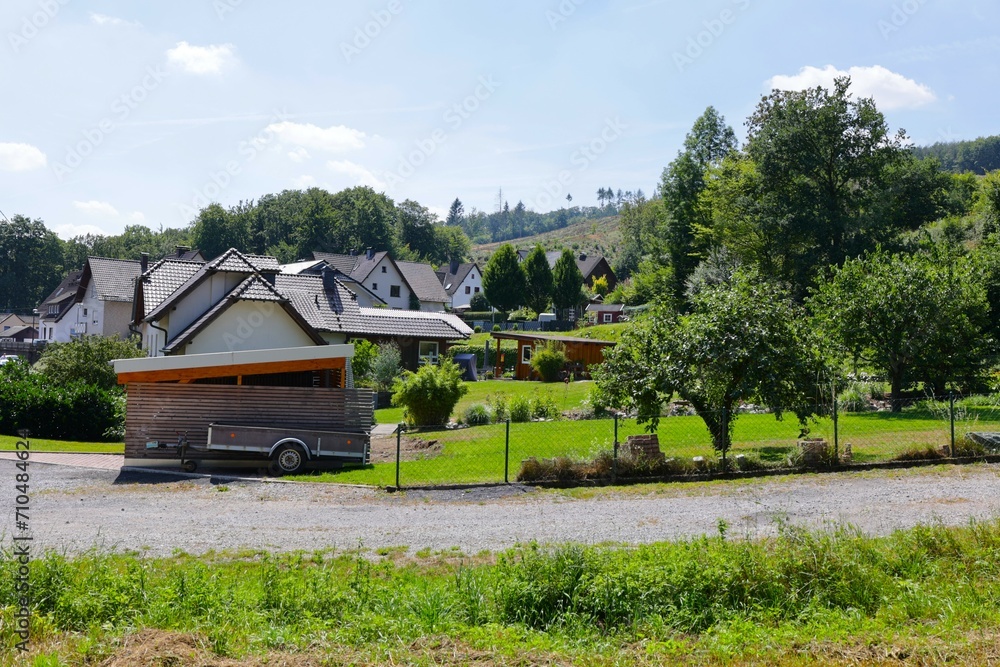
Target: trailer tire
<point>288,459</point>
<point>189,466</point>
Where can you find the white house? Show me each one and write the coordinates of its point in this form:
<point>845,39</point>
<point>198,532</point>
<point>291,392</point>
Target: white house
<point>461,282</point>
<point>94,301</point>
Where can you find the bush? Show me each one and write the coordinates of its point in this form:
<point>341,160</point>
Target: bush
<point>479,303</point>
<point>477,329</point>
<point>365,353</point>
<point>544,407</point>
<point>477,415</point>
<point>549,361</point>
<point>498,405</point>
<point>386,366</point>
<point>430,394</point>
<point>496,327</point>
<point>87,360</point>
<point>520,409</point>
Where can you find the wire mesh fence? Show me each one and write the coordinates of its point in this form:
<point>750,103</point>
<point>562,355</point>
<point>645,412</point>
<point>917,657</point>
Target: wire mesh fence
<point>685,443</point>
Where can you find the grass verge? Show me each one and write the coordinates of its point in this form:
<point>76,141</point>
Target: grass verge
<point>8,443</point>
<point>832,597</point>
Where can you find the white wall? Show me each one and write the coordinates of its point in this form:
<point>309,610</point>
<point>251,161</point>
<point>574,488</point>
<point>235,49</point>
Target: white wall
<point>474,281</point>
<point>380,283</point>
<point>249,325</point>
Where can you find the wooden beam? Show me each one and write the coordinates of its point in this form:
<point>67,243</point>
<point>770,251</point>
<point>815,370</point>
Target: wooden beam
<point>265,368</point>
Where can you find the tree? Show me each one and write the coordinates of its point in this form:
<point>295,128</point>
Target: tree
<point>503,279</point>
<point>87,360</point>
<point>538,276</point>
<point>819,162</point>
<point>418,231</point>
<point>681,187</point>
<point>908,316</point>
<point>215,231</point>
<point>743,342</point>
<point>567,283</point>
<point>31,263</point>
<point>455,214</point>
<point>430,394</point>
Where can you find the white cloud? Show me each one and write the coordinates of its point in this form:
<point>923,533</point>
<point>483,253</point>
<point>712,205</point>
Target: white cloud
<point>96,208</point>
<point>334,139</point>
<point>298,155</point>
<point>889,89</point>
<point>359,174</point>
<point>212,59</point>
<point>21,157</point>
<point>138,217</point>
<point>104,19</point>
<point>304,182</point>
<point>66,232</point>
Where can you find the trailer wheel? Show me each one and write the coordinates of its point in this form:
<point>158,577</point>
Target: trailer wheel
<point>287,460</point>
<point>189,466</point>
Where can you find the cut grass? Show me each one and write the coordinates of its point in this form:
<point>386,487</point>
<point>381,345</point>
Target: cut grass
<point>476,455</point>
<point>801,597</point>
<point>8,443</point>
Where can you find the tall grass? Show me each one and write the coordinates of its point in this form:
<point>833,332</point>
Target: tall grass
<point>930,577</point>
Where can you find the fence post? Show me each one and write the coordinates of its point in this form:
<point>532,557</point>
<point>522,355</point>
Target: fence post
<point>506,456</point>
<point>399,444</point>
<point>614,458</point>
<point>836,428</point>
<point>726,441</point>
<point>951,417</point>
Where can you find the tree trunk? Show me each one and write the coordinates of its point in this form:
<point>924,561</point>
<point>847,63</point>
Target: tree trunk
<point>895,390</point>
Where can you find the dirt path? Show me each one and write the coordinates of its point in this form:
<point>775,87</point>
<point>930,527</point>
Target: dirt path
<point>74,509</point>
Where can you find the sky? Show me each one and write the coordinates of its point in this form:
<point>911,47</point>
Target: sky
<point>120,113</point>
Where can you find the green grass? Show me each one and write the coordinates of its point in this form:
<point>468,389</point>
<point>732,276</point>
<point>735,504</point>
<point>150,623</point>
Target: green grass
<point>7,443</point>
<point>566,396</point>
<point>798,598</point>
<point>476,455</point>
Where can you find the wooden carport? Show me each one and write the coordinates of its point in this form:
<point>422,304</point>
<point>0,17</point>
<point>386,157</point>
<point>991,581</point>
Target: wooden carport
<point>581,353</point>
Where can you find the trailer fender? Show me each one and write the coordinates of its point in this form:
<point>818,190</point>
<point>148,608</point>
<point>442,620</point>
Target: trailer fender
<point>292,441</point>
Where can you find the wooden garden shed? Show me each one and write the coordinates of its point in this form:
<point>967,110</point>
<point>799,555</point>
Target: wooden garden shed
<point>581,353</point>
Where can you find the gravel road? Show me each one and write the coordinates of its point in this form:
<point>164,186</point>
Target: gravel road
<point>74,509</point>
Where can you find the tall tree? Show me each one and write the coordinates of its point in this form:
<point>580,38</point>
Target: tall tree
<point>503,279</point>
<point>30,263</point>
<point>418,230</point>
<point>567,284</point>
<point>456,213</point>
<point>681,187</point>
<point>538,276</point>
<point>216,231</point>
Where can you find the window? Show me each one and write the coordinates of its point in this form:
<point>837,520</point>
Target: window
<point>477,290</point>
<point>428,352</point>
<point>468,290</point>
<point>607,317</point>
<point>383,269</point>
<point>526,353</point>
<point>394,290</point>
<point>84,312</point>
<point>374,287</point>
<point>53,310</point>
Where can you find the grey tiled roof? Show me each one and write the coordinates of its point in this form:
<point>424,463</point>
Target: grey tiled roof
<point>365,266</point>
<point>414,324</point>
<point>264,263</point>
<point>255,288</point>
<point>343,263</point>
<point>114,279</point>
<point>423,281</point>
<point>232,260</point>
<point>62,295</point>
<point>163,279</point>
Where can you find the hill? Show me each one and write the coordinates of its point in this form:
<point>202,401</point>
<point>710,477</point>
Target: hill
<point>979,156</point>
<point>594,237</point>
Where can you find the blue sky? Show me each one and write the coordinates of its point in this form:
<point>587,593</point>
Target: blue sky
<point>122,112</point>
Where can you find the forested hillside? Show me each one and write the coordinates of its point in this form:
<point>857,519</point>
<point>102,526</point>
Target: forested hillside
<point>980,156</point>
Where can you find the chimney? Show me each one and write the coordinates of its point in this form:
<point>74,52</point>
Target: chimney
<point>329,280</point>
<point>583,257</point>
<point>353,252</point>
<point>181,249</point>
<point>369,253</point>
<point>454,266</point>
<point>143,262</point>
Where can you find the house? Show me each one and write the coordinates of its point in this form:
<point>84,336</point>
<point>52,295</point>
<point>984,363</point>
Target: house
<point>461,282</point>
<point>591,267</point>
<point>425,285</point>
<point>10,320</point>
<point>366,298</point>
<point>103,303</point>
<point>243,302</point>
<point>52,311</point>
<point>581,353</point>
<point>380,274</point>
<point>605,313</point>
<point>19,334</point>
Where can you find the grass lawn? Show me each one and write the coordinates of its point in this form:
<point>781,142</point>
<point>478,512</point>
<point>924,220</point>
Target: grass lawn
<point>566,396</point>
<point>475,455</point>
<point>921,596</point>
<point>7,443</point>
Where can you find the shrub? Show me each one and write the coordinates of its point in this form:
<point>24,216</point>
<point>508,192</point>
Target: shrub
<point>928,453</point>
<point>549,361</point>
<point>477,329</point>
<point>853,399</point>
<point>498,405</point>
<point>430,394</point>
<point>365,353</point>
<point>544,407</point>
<point>386,366</point>
<point>477,415</point>
<point>520,409</point>
<point>966,447</point>
<point>496,327</point>
<point>87,360</point>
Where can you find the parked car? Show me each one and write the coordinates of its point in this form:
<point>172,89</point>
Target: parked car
<point>4,358</point>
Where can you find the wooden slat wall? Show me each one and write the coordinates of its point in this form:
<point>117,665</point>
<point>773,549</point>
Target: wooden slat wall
<point>160,412</point>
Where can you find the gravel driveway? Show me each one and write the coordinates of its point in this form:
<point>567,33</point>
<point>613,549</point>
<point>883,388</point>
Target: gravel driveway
<point>76,509</point>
